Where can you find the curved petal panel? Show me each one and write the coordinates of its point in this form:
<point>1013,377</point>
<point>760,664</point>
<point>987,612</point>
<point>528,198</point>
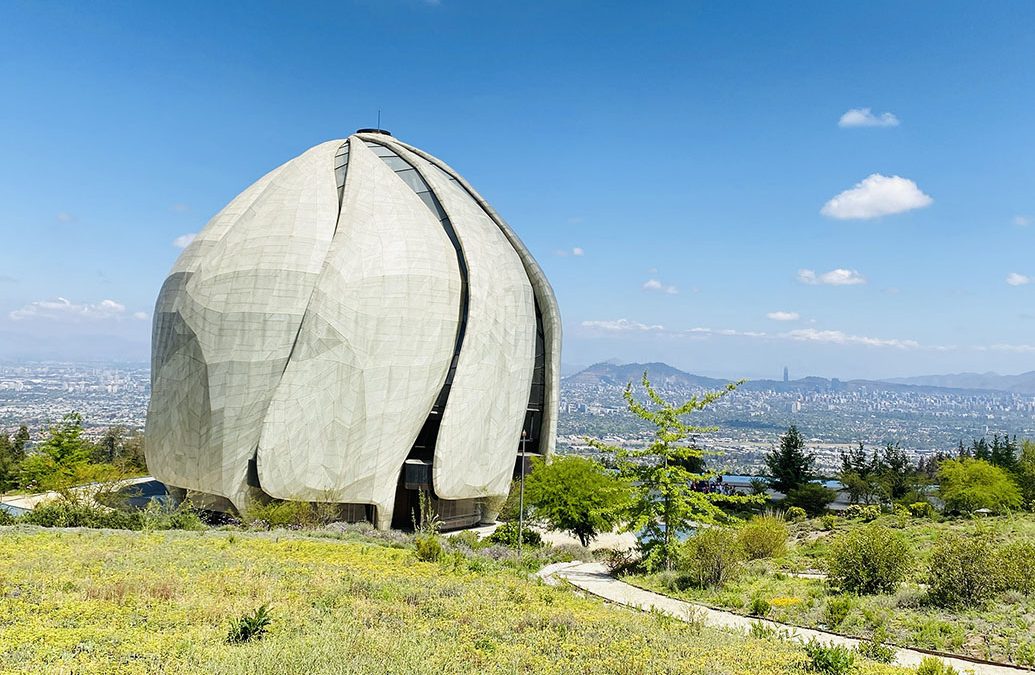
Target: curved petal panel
<point>545,298</point>
<point>234,304</point>
<point>481,424</point>
<point>372,352</point>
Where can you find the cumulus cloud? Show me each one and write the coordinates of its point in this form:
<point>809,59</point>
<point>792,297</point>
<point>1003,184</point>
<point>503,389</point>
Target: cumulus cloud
<point>783,316</point>
<point>1016,279</point>
<point>864,117</point>
<point>64,309</point>
<point>835,277</point>
<point>141,316</point>
<point>1021,221</point>
<point>184,240</point>
<point>577,251</point>
<point>656,285</point>
<point>875,196</point>
<point>842,338</point>
<point>622,326</point>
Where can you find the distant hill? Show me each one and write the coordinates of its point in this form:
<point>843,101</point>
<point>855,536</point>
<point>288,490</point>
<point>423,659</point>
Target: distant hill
<point>664,375</point>
<point>620,374</point>
<point>1018,384</point>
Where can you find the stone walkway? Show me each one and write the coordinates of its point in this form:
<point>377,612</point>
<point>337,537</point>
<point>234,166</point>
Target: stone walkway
<point>595,579</point>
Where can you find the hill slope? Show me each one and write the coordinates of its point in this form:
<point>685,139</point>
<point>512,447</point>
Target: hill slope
<point>95,601</point>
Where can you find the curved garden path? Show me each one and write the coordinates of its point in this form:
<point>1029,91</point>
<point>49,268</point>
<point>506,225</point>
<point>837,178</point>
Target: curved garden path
<point>595,579</point>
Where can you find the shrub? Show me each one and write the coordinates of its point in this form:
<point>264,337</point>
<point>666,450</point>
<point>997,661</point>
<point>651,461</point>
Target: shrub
<point>933,666</point>
<point>872,559</point>
<point>619,561</point>
<point>428,547</point>
<point>763,537</point>
<point>507,535</point>
<point>465,538</point>
<point>1016,564</point>
<point>921,510</point>
<point>875,649</point>
<point>74,512</point>
<point>759,606</point>
<point>829,522</point>
<point>962,572</point>
<point>6,518</point>
<point>812,497</point>
<point>250,626</point>
<point>863,512</point>
<point>795,514</point>
<point>829,659</point>
<point>711,557</point>
<point>837,610</point>
<point>967,485</point>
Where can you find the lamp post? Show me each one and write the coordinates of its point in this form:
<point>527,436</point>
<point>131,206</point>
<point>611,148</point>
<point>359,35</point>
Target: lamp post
<point>521,494</point>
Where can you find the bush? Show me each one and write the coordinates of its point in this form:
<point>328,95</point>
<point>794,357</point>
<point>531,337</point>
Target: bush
<point>1016,564</point>
<point>875,649</point>
<point>863,512</point>
<point>795,514</point>
<point>507,535</point>
<point>829,659</point>
<point>6,518</point>
<point>290,515</point>
<point>712,557</point>
<point>250,626</point>
<point>967,485</point>
<point>933,666</point>
<point>921,510</point>
<point>870,560</point>
<point>812,497</point>
<point>759,606</point>
<point>72,512</point>
<point>428,547</point>
<point>619,561</point>
<point>829,522</point>
<point>837,610</point>
<point>962,571</point>
<point>763,537</point>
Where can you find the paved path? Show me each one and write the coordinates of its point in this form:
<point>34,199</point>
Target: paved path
<point>22,503</point>
<point>594,578</point>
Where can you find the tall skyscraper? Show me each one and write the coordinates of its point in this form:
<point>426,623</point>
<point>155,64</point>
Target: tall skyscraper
<point>786,374</point>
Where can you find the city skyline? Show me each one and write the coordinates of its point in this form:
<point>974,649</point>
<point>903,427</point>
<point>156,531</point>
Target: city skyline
<point>858,205</point>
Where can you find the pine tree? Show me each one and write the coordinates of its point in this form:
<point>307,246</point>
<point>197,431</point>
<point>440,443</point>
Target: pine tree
<point>790,465</point>
<point>665,503</point>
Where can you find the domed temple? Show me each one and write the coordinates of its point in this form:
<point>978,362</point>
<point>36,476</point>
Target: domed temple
<point>356,327</point>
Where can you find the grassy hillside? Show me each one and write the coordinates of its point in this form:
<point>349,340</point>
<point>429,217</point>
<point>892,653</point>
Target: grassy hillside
<point>134,602</point>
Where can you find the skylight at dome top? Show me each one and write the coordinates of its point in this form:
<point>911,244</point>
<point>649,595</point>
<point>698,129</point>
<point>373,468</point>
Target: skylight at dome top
<point>355,327</point>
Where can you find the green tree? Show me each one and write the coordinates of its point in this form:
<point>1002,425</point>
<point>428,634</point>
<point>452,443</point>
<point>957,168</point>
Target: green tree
<point>664,503</point>
<point>60,459</point>
<point>8,464</point>
<point>896,473</point>
<point>790,465</point>
<point>1026,471</point>
<point>576,495</point>
<point>966,485</point>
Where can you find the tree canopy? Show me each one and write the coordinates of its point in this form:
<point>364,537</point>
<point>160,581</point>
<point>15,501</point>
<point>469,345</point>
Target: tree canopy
<point>790,465</point>
<point>577,495</point>
<point>967,485</point>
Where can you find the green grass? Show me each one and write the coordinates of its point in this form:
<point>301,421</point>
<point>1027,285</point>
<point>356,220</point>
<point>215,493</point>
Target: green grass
<point>1002,630</point>
<point>97,601</point>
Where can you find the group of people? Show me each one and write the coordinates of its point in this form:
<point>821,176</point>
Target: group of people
<point>713,485</point>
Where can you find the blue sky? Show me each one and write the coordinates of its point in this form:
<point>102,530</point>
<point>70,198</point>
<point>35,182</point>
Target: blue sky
<point>691,152</point>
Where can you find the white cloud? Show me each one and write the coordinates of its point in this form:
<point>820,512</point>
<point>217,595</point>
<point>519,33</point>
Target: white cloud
<point>864,117</point>
<point>184,240</point>
<point>783,316</point>
<point>1015,279</point>
<point>1021,221</point>
<point>63,309</point>
<point>875,196</point>
<point>841,338</point>
<point>578,251</point>
<point>656,285</point>
<point>836,277</point>
<point>141,316</point>
<point>622,326</point>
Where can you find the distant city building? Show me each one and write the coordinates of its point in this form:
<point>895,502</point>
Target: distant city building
<point>357,326</point>
<point>786,374</point>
